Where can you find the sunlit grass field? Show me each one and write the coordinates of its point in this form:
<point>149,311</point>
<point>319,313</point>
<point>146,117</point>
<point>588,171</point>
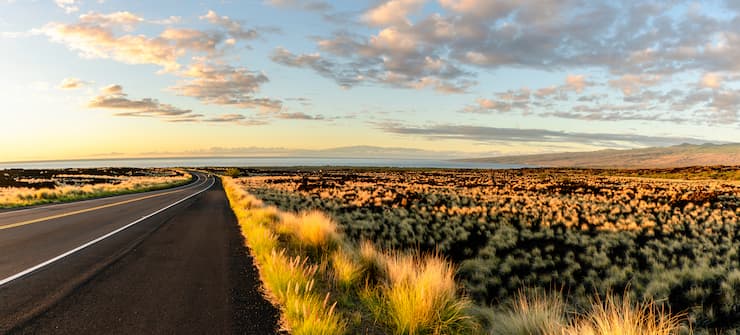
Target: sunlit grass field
<point>61,186</point>
<point>327,282</point>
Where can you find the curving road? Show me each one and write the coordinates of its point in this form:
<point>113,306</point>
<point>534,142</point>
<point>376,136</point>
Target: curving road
<point>163,262</point>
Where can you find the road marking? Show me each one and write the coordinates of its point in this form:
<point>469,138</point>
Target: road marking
<point>23,223</point>
<point>95,241</point>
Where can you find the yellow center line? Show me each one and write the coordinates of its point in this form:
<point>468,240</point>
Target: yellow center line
<point>14,225</point>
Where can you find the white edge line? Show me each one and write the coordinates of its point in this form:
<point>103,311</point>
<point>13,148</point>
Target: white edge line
<point>95,241</point>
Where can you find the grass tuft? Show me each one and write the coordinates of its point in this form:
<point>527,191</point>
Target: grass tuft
<point>347,271</point>
<point>614,317</point>
<point>419,296</point>
<point>313,230</point>
<point>531,312</point>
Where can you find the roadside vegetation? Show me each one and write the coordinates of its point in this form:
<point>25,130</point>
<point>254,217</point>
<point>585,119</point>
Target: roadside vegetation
<point>19,188</point>
<point>329,277</point>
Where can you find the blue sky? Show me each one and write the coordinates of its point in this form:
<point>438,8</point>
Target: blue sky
<point>95,78</point>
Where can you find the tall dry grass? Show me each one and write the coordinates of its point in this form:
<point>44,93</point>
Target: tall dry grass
<point>614,316</point>
<point>419,296</point>
<point>300,257</point>
<point>289,281</point>
<point>534,312</point>
<point>531,312</point>
<point>313,230</point>
<point>21,196</point>
<point>348,271</point>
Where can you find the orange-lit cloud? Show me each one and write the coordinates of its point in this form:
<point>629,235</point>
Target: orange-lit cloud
<point>711,80</point>
<point>226,86</point>
<point>112,97</point>
<point>576,82</point>
<point>72,83</point>
<point>630,83</point>
<point>97,41</point>
<point>392,12</point>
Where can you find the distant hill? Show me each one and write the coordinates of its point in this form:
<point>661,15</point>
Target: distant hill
<point>677,156</point>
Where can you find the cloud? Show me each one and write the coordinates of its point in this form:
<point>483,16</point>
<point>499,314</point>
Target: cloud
<point>525,100</point>
<point>126,20</point>
<point>310,5</point>
<point>711,80</point>
<point>630,83</point>
<point>192,39</point>
<point>637,44</point>
<point>493,135</point>
<point>69,6</point>
<point>298,116</point>
<point>481,8</point>
<point>576,82</point>
<point>382,67</point>
<point>392,12</point>
<point>72,83</point>
<point>168,21</point>
<point>112,90</point>
<point>112,97</point>
<point>97,35</point>
<point>226,118</point>
<point>96,40</point>
<point>234,28</point>
<point>226,86</point>
<point>641,99</point>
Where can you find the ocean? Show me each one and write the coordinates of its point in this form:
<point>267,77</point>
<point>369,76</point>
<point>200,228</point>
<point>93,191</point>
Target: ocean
<point>196,162</point>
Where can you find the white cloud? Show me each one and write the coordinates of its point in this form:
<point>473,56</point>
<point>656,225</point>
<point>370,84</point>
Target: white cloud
<point>69,6</point>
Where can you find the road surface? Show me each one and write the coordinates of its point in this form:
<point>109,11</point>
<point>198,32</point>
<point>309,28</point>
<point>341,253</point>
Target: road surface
<point>164,262</point>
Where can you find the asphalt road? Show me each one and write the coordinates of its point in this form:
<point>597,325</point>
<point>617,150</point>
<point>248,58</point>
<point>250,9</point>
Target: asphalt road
<point>164,262</point>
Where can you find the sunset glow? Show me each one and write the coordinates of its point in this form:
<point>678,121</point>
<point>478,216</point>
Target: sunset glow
<point>87,79</point>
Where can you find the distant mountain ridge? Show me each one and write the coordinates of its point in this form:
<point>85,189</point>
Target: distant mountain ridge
<point>661,157</point>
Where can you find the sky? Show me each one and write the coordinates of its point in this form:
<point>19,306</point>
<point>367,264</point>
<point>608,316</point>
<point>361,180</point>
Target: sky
<point>107,78</point>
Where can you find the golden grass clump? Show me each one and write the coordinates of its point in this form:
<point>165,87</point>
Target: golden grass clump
<point>615,317</point>
<point>372,262</point>
<point>310,229</point>
<point>347,270</point>
<point>419,296</point>
<point>534,312</point>
<point>531,312</point>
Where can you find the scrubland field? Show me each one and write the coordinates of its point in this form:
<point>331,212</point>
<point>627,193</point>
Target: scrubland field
<point>20,188</point>
<point>532,251</point>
